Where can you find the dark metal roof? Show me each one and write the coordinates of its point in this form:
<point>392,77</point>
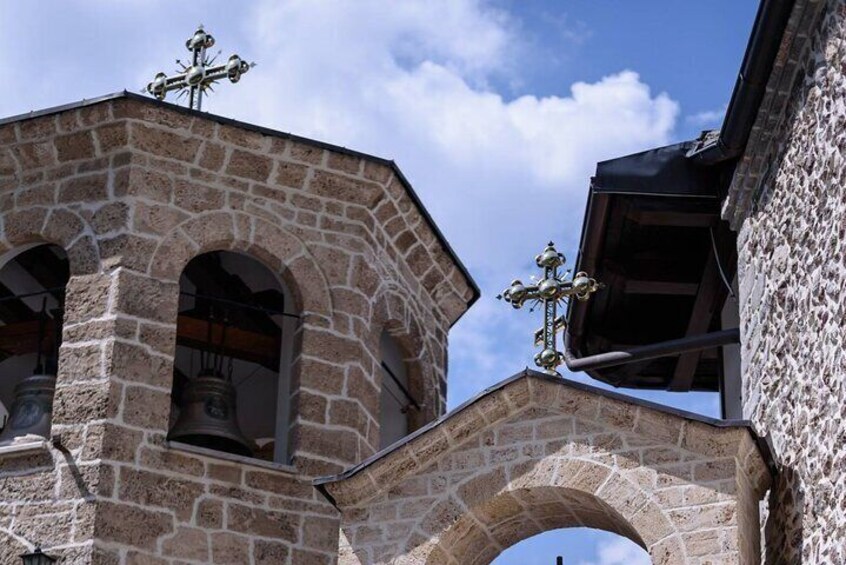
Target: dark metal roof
<point>275,133</point>
<point>647,235</point>
<point>763,443</point>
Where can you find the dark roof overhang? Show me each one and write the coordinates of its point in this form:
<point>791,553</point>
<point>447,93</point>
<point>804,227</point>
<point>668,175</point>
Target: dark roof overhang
<point>652,233</point>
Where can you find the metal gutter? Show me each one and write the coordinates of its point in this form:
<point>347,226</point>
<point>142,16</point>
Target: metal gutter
<point>750,87</point>
<point>274,133</point>
<point>651,351</point>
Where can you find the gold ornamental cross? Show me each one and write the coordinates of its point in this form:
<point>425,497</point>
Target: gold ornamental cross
<point>198,77</point>
<point>552,290</point>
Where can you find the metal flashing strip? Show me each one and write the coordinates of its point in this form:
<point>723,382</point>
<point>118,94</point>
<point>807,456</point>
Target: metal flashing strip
<point>25,448</point>
<point>763,443</point>
<point>280,134</point>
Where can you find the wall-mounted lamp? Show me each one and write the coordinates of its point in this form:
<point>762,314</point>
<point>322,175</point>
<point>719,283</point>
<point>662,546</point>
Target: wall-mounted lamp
<point>37,557</point>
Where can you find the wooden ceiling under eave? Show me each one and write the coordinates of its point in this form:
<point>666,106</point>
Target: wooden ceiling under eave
<point>652,226</point>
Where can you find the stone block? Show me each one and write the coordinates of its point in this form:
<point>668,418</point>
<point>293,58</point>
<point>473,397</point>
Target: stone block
<point>320,533</point>
<point>290,175</point>
<point>146,407</point>
<point>343,162</point>
<point>212,156</point>
<point>127,250</point>
<point>158,459</point>
<point>112,442</point>
<point>230,549</point>
<point>263,523</point>
<point>86,188</point>
<point>132,526</point>
<point>197,197</point>
<point>80,402</point>
<point>163,143</point>
<point>305,152</point>
<point>279,483</point>
<point>249,165</point>
<point>209,514</point>
<point>110,217</point>
<point>156,219</point>
<point>112,137</point>
<point>267,552</point>
<point>241,137</point>
<point>132,362</point>
<point>146,297</point>
<point>162,491</point>
<point>188,543</point>
<point>79,145</point>
<point>335,186</point>
<point>38,128</point>
<point>147,183</point>
<point>35,155</point>
<point>334,444</point>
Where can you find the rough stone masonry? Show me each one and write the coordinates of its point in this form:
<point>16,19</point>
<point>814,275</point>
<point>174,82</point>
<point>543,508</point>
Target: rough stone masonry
<point>132,189</point>
<point>788,200</point>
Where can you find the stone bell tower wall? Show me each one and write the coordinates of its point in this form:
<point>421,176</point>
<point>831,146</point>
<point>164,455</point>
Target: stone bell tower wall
<point>133,189</point>
<point>788,200</point>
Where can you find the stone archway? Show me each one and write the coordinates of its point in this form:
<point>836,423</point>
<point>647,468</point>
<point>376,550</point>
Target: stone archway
<point>510,517</point>
<point>537,453</point>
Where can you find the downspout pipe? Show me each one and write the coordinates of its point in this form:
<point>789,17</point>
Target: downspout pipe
<point>651,351</point>
<point>761,51</point>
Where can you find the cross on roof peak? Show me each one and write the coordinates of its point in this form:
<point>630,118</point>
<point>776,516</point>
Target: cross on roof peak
<point>196,78</point>
<point>552,290</point>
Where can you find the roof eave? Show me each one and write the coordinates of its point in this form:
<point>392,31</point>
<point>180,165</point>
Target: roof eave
<point>476,293</point>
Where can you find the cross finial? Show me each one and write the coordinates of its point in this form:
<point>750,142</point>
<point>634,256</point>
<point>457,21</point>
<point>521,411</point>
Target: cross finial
<point>552,290</point>
<point>198,77</point>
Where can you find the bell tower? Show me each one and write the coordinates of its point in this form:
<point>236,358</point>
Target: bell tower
<point>236,301</point>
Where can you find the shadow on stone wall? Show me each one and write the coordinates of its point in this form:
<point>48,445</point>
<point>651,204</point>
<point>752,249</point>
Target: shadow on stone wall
<point>783,532</point>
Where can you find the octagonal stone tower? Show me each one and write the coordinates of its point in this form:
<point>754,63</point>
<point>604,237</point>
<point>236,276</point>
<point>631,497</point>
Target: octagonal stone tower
<point>132,190</point>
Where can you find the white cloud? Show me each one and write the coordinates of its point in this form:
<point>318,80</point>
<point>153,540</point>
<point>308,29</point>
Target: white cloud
<point>620,551</point>
<point>501,176</point>
<point>708,118</point>
<point>410,81</point>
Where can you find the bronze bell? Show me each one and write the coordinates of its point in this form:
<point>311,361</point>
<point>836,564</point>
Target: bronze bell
<point>207,416</point>
<point>31,410</point>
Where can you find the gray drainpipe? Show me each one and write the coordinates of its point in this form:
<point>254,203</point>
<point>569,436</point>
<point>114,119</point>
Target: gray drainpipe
<point>651,351</point>
<point>761,52</point>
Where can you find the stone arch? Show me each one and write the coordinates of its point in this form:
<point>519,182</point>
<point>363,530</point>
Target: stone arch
<point>390,312</point>
<point>278,249</point>
<point>503,507</point>
<point>536,453</point>
<point>60,226</point>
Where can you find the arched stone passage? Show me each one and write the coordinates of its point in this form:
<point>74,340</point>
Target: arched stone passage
<point>537,453</point>
<point>508,518</point>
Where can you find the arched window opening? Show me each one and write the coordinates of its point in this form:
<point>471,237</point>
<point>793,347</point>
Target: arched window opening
<point>396,402</point>
<point>234,351</point>
<point>575,546</point>
<point>32,297</point>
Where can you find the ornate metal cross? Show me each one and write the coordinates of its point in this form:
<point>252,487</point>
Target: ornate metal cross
<point>198,77</point>
<point>552,290</point>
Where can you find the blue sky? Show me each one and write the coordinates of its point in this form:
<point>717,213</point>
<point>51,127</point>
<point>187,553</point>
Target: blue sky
<point>496,111</point>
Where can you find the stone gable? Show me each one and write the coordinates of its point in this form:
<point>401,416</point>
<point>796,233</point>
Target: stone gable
<point>537,453</point>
